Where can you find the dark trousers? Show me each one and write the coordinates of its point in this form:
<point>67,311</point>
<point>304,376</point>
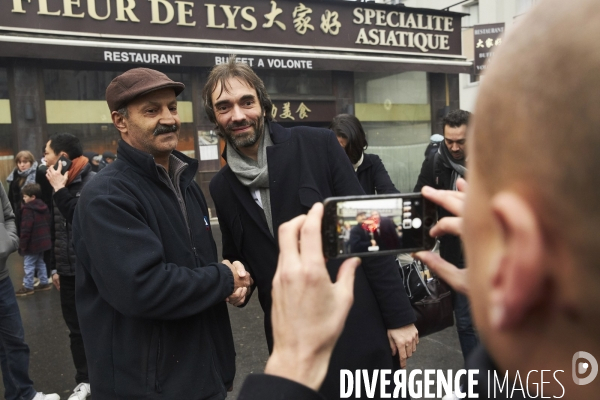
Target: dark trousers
<point>69,311</point>
<point>464,324</point>
<point>14,353</point>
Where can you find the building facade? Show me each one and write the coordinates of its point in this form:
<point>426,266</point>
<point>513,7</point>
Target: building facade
<point>396,68</point>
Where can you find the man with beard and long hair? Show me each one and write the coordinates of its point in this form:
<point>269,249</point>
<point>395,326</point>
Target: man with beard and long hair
<point>151,291</point>
<point>441,170</point>
<point>274,174</point>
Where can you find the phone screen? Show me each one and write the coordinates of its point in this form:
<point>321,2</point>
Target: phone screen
<point>380,224</point>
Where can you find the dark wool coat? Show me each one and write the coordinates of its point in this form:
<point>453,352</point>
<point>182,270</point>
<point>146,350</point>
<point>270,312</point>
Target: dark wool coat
<point>434,174</point>
<point>150,292</point>
<point>35,228</point>
<point>307,165</point>
<point>65,201</point>
<point>373,176</point>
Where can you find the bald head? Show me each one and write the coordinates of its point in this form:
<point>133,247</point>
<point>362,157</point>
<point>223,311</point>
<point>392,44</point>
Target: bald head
<point>537,121</point>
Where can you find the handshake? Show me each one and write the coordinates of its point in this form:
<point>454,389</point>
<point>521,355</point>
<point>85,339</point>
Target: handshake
<point>242,283</point>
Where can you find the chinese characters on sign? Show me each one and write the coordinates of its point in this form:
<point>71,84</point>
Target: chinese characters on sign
<point>302,24</point>
<point>301,19</point>
<point>286,111</point>
<point>487,38</point>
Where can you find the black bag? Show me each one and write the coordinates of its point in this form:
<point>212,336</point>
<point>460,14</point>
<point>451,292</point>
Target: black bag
<point>431,299</point>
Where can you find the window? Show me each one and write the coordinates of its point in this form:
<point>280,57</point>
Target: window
<point>473,17</point>
<point>6,149</point>
<point>395,112</point>
<point>75,103</point>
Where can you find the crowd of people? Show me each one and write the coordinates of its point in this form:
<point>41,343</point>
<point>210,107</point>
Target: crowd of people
<point>129,244</point>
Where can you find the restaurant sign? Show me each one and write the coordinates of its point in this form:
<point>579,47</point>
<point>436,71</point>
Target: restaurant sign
<point>487,38</point>
<point>324,25</point>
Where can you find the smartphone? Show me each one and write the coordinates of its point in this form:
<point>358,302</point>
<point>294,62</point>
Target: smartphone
<point>377,224</point>
<point>66,164</point>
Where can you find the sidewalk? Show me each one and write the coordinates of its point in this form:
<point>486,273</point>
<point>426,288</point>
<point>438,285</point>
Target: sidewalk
<point>52,370</point>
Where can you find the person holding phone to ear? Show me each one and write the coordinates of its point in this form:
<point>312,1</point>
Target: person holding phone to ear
<point>68,171</point>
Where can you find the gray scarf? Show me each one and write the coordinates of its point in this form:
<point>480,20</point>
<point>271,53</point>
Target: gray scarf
<point>254,174</point>
<point>28,173</point>
<point>457,168</point>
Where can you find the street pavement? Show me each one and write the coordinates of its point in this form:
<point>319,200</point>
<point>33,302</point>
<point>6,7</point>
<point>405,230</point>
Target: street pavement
<point>51,367</point>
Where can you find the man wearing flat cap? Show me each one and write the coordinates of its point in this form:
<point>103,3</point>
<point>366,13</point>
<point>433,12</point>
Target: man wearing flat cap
<point>151,293</point>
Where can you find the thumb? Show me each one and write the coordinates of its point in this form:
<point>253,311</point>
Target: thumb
<point>239,267</point>
<point>346,273</point>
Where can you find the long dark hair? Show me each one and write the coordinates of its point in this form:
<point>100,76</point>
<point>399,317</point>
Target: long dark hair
<point>349,127</point>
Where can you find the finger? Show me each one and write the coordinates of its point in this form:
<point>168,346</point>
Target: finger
<point>451,225</point>
<point>414,344</point>
<point>450,200</point>
<point>462,185</point>
<point>457,278</point>
<point>66,175</point>
<point>310,237</point>
<point>345,276</point>
<point>226,262</point>
<point>403,356</point>
<point>409,350</point>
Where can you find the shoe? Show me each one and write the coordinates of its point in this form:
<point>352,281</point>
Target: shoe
<point>24,292</point>
<point>41,287</point>
<point>49,396</point>
<point>36,281</point>
<point>81,392</point>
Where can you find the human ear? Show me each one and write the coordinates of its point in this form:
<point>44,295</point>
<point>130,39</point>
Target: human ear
<point>519,276</point>
<point>119,121</point>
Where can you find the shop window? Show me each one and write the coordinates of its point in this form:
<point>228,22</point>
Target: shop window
<point>75,103</point>
<point>395,112</point>
<point>6,151</point>
<point>314,83</point>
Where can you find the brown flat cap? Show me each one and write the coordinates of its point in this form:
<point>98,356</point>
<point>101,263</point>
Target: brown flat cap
<point>136,82</point>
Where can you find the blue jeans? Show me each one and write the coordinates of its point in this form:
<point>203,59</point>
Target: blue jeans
<point>32,263</point>
<point>14,353</point>
<point>464,324</point>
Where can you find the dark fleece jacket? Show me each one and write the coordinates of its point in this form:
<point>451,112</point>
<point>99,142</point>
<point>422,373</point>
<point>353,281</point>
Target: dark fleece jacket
<point>35,228</point>
<point>150,292</point>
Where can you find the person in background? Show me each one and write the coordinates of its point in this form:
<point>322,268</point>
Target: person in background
<point>369,168</point>
<point>94,160</point>
<point>14,352</point>
<point>24,173</point>
<point>35,239</point>
<point>107,158</point>
<point>441,170</point>
<point>67,189</point>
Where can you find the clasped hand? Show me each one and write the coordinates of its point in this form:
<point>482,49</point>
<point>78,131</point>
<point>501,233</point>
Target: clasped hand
<point>242,283</point>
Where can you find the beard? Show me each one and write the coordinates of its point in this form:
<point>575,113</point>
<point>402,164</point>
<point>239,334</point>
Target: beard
<point>247,139</point>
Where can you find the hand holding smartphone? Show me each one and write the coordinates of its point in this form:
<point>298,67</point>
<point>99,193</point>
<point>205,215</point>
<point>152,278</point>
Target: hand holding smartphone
<point>375,225</point>
<point>65,164</point>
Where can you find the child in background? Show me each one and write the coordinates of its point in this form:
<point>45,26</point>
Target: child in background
<point>34,239</point>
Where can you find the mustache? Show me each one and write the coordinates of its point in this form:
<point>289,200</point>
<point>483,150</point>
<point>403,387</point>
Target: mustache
<point>240,124</point>
<point>160,129</point>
